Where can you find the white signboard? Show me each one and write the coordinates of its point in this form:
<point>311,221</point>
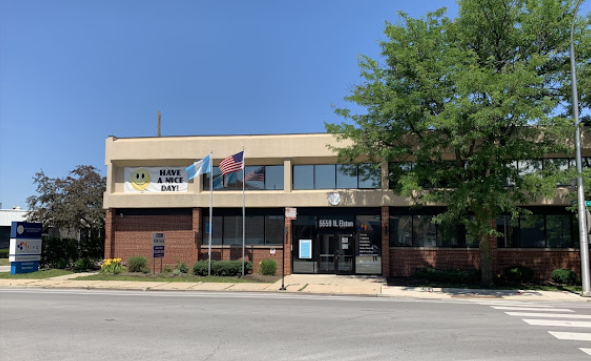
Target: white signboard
<point>155,179</point>
<point>291,213</point>
<point>24,250</point>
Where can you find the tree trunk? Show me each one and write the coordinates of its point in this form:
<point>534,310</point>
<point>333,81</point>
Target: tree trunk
<point>486,276</point>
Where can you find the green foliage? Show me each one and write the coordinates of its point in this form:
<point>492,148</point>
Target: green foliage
<point>84,264</point>
<point>3,253</point>
<point>221,268</point>
<point>461,100</point>
<point>167,269</point>
<point>112,265</point>
<point>180,268</point>
<point>74,202</point>
<point>137,264</point>
<point>564,277</point>
<point>63,253</point>
<point>58,253</point>
<point>447,275</point>
<point>268,267</point>
<point>518,274</point>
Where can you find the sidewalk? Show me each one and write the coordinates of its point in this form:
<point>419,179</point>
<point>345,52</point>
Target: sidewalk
<point>301,284</point>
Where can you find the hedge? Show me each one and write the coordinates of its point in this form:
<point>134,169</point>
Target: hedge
<point>221,268</point>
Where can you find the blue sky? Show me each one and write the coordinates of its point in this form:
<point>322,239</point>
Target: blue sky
<point>74,72</point>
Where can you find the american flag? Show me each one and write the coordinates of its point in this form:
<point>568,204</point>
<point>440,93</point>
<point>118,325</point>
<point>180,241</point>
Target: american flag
<point>257,175</point>
<point>232,163</point>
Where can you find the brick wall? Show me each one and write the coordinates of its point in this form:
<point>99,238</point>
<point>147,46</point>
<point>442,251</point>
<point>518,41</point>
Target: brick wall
<point>131,235</point>
<point>543,262</point>
<point>403,262</point>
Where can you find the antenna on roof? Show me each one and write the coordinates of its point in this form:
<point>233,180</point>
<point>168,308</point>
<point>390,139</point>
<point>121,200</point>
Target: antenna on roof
<point>159,123</point>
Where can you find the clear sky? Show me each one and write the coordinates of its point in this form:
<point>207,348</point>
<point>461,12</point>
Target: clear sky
<point>74,72</point>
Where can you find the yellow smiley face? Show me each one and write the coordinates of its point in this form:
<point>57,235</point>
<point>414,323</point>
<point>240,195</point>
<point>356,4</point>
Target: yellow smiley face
<point>140,179</point>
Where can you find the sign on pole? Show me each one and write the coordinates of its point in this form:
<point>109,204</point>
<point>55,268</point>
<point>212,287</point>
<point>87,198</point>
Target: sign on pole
<point>25,247</point>
<point>157,245</point>
<point>291,213</point>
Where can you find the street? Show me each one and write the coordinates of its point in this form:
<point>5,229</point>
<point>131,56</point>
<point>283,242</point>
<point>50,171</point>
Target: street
<point>53,325</point>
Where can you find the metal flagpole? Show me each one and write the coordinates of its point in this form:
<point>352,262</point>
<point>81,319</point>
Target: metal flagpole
<point>210,209</point>
<point>243,212</point>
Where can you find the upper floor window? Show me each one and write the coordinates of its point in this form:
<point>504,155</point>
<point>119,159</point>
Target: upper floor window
<point>336,176</point>
<point>265,177</point>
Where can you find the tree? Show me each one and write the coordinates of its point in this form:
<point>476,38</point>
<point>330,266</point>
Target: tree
<point>460,101</point>
<point>74,202</point>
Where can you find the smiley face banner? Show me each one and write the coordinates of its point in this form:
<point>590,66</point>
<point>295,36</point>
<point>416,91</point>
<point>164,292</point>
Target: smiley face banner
<point>155,179</point>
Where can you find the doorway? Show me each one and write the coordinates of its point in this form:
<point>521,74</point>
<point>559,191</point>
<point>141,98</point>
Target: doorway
<point>335,253</point>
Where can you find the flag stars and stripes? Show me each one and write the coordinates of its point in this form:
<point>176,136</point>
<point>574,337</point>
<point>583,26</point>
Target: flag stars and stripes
<point>232,163</point>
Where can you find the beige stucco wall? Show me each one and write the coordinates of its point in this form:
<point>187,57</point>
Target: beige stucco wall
<point>284,150</point>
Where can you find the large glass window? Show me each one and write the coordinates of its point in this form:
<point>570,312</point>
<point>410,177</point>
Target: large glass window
<point>324,177</point>
<point>400,231</point>
<point>424,233</point>
<point>260,229</point>
<point>256,178</point>
<point>303,177</point>
<point>336,176</point>
<point>537,231</point>
<point>274,177</point>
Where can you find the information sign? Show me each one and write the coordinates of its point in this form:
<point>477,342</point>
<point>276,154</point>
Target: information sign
<point>157,245</point>
<point>305,249</point>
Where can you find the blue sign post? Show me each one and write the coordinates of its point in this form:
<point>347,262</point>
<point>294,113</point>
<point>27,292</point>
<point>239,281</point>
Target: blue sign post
<point>25,247</point>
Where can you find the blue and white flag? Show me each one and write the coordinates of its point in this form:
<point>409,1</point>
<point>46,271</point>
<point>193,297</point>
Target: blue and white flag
<point>198,168</point>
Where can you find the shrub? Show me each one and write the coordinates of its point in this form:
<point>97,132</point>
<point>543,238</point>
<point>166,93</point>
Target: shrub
<point>564,276</point>
<point>58,253</point>
<point>447,275</point>
<point>83,264</point>
<point>181,267</point>
<point>112,266</point>
<point>268,267</point>
<point>3,253</point>
<point>137,264</point>
<point>518,274</point>
<point>167,269</point>
<point>221,268</point>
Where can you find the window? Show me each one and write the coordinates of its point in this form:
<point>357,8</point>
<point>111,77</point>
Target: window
<point>336,176</point>
<point>257,178</point>
<point>544,229</point>
<point>419,230</point>
<point>260,228</point>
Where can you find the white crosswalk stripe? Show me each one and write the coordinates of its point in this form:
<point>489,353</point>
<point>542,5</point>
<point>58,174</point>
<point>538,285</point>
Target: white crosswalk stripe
<point>510,308</point>
<point>548,316</point>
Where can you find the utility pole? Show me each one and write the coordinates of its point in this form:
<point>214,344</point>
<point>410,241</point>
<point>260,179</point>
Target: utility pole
<point>159,123</point>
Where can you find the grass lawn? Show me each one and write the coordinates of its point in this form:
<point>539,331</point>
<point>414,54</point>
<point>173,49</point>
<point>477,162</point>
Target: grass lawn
<point>173,278</point>
<point>45,273</point>
<point>4,262</point>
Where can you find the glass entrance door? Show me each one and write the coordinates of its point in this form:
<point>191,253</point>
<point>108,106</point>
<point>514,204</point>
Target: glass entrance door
<point>336,253</point>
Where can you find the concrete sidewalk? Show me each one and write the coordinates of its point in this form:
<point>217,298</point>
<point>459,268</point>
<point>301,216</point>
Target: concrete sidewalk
<point>300,284</point>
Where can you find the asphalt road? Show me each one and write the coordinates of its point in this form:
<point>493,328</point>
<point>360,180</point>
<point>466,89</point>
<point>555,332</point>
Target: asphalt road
<point>122,325</point>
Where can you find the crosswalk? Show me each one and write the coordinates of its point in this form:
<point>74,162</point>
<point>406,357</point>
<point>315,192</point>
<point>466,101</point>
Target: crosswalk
<point>551,317</point>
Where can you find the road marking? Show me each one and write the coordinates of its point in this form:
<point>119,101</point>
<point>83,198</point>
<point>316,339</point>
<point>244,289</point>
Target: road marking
<point>586,350</point>
<point>575,336</point>
<point>557,323</point>
<point>549,315</point>
<point>532,309</point>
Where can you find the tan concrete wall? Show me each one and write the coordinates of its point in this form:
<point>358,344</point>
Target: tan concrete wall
<point>287,150</point>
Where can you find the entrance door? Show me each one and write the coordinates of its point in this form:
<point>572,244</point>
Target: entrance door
<point>336,253</point>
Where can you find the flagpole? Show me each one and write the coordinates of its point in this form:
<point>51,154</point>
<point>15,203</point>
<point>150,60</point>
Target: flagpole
<point>243,211</point>
<point>210,209</point>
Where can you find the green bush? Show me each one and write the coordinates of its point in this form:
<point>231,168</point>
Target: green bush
<point>167,269</point>
<point>268,267</point>
<point>221,268</point>
<point>518,274</point>
<point>137,264</point>
<point>83,264</point>
<point>447,275</point>
<point>3,253</point>
<point>58,253</point>
<point>180,268</point>
<point>564,276</point>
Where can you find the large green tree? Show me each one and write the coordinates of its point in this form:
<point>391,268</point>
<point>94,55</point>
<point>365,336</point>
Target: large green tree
<point>74,202</point>
<point>462,100</point>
